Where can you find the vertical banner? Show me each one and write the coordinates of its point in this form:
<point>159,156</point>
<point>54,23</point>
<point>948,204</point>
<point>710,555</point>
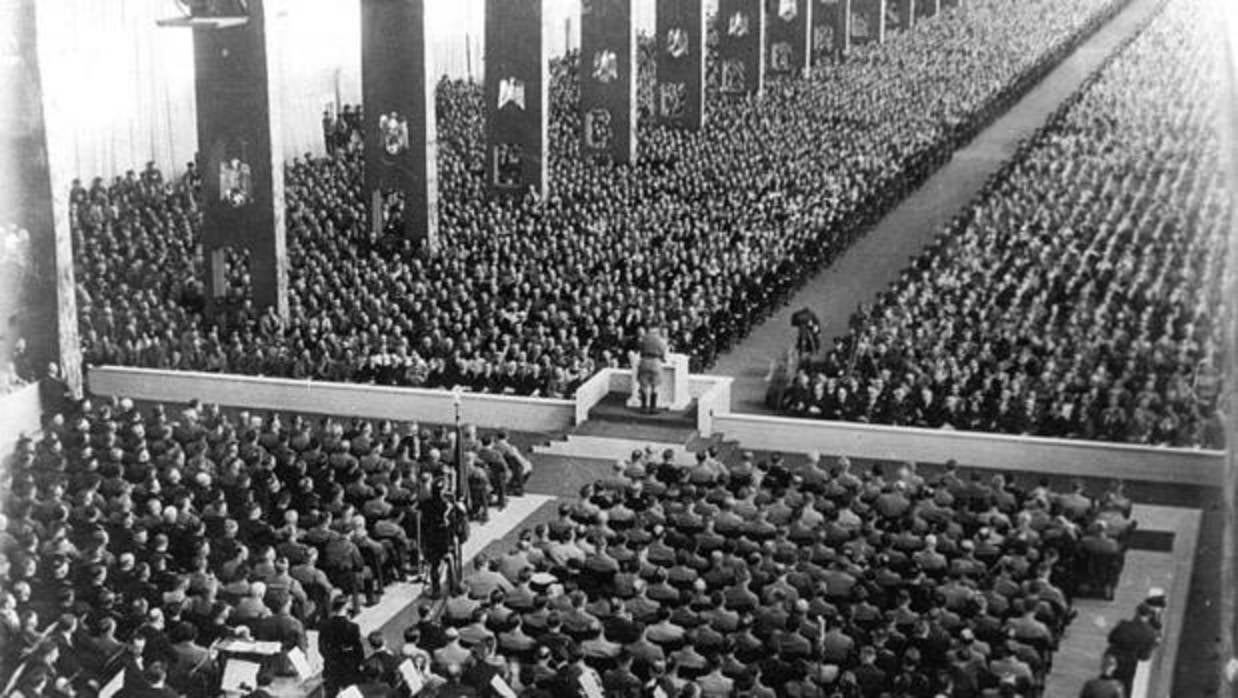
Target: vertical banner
<point>900,15</point>
<point>679,47</point>
<point>516,82</point>
<point>831,35</point>
<point>34,194</point>
<point>242,174</point>
<point>927,8</point>
<point>741,47</point>
<point>868,22</point>
<point>608,80</point>
<point>401,151</point>
<point>790,36</point>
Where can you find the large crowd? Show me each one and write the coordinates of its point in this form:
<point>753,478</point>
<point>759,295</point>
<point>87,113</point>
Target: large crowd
<point>705,234</point>
<point>1078,296</point>
<point>764,578</point>
<point>135,538</point>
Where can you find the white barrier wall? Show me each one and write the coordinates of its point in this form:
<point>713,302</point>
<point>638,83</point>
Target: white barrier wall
<point>20,411</point>
<point>345,399</point>
<point>1022,453</point>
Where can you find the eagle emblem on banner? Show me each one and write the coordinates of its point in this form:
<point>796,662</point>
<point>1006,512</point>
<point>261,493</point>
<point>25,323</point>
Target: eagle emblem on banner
<point>859,26</point>
<point>605,66</point>
<point>677,42</point>
<point>787,10</point>
<point>394,132</point>
<point>738,25</point>
<point>511,91</point>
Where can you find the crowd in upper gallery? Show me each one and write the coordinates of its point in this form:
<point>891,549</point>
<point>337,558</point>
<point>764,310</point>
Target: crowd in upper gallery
<point>703,235</point>
<point>1078,296</point>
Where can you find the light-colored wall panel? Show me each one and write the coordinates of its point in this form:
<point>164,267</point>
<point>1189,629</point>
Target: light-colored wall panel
<point>346,399</point>
<point>1020,453</point>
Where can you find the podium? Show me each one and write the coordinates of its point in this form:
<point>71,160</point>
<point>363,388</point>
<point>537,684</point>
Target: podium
<point>672,391</point>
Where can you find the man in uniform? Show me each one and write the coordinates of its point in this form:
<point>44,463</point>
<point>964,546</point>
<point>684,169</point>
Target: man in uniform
<point>653,351</point>
<point>339,643</point>
<point>439,524</point>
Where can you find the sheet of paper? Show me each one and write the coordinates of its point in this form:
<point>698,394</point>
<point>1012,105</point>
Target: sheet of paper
<point>412,678</point>
<point>113,687</point>
<point>589,684</point>
<point>240,676</point>
<point>500,687</point>
<point>300,663</point>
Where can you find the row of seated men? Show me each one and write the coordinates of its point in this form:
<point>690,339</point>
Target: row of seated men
<point>144,536</point>
<point>767,578</point>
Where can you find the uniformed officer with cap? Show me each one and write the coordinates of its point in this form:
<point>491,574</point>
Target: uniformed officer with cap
<point>653,351</point>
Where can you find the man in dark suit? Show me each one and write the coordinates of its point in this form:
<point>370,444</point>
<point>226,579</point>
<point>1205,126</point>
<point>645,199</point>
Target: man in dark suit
<point>1130,642</point>
<point>1105,685</point>
<point>339,643</point>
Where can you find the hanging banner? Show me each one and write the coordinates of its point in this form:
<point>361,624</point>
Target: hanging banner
<point>608,80</point>
<point>679,98</point>
<point>516,84</point>
<point>741,47</point>
<point>242,177</point>
<point>401,152</point>
<point>789,31</point>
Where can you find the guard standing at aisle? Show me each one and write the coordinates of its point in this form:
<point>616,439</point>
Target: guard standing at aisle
<point>653,350</point>
<point>339,643</point>
<point>443,522</point>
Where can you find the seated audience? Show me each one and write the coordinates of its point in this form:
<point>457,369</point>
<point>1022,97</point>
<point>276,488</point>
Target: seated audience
<point>1078,296</point>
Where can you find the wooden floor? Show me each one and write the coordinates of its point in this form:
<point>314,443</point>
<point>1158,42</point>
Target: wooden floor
<point>1078,656</point>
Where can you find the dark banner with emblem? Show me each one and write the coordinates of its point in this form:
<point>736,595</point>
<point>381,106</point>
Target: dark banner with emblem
<point>789,28</point>
<point>398,109</point>
<point>242,176</point>
<point>679,99</point>
<point>830,34</point>
<point>608,80</point>
<point>516,82</point>
<point>867,21</point>
<point>741,47</point>
<point>927,8</point>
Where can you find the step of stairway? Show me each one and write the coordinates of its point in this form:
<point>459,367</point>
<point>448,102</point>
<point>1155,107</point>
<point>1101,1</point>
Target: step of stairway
<point>613,449</point>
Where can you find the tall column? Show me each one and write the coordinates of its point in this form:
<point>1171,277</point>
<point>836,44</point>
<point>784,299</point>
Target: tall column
<point>516,84</point>
<point>741,46</point>
<point>900,15</point>
<point>34,194</point>
<point>608,80</point>
<point>242,171</point>
<point>680,57</point>
<point>790,36</point>
<point>831,35</point>
<point>927,8</point>
<point>868,21</point>
<point>401,151</point>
